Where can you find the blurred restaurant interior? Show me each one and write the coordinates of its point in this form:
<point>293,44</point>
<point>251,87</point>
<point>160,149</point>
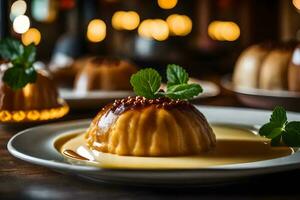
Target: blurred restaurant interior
<point>203,35</point>
<point>250,39</point>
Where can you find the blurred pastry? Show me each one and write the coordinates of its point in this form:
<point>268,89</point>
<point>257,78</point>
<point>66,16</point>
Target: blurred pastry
<point>64,76</point>
<point>264,66</point>
<point>274,69</point>
<point>294,71</point>
<point>137,126</point>
<point>34,96</point>
<point>248,66</point>
<point>104,74</point>
<point>26,94</point>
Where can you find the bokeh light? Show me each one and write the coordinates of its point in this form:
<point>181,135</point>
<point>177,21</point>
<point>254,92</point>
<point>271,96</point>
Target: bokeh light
<point>21,24</point>
<point>155,29</point>
<point>166,4</point>
<point>96,30</point>
<point>223,31</point>
<point>123,20</point>
<point>180,25</point>
<point>144,29</point>
<point>45,10</point>
<point>31,36</point>
<point>17,8</point>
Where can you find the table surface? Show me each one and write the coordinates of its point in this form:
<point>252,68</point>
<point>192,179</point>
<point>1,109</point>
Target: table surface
<point>21,180</point>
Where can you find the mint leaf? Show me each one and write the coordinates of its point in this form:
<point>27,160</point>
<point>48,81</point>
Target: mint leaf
<point>280,130</point>
<point>29,55</point>
<point>15,77</point>
<point>22,59</point>
<point>176,75</point>
<point>270,130</point>
<point>11,49</point>
<point>31,75</point>
<point>146,82</point>
<point>183,91</point>
<point>279,116</point>
<point>292,135</point>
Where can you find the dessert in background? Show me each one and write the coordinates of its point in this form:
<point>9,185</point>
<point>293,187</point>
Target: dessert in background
<point>108,74</point>
<point>264,66</point>
<point>294,71</point>
<point>65,75</point>
<point>156,123</point>
<point>26,94</point>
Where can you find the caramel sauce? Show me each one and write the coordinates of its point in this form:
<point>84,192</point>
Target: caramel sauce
<point>234,145</point>
<point>73,154</point>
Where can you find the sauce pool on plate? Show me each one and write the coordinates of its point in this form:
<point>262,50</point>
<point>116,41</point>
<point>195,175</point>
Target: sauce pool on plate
<point>234,145</point>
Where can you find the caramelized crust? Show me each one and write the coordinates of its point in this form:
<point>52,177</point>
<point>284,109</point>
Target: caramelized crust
<point>142,127</point>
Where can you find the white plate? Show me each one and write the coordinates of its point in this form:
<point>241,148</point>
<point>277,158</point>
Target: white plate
<point>96,99</point>
<point>262,98</point>
<point>35,145</point>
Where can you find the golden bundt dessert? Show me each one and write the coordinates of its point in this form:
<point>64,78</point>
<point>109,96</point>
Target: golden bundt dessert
<point>104,74</point>
<point>34,96</point>
<point>248,66</point>
<point>264,67</point>
<point>65,76</point>
<point>26,94</point>
<point>294,71</point>
<point>35,101</point>
<point>137,126</point>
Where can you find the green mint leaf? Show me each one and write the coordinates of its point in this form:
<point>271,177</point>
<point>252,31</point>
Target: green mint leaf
<point>15,77</point>
<point>270,130</point>
<point>176,75</point>
<point>29,55</point>
<point>11,49</point>
<point>276,141</point>
<point>22,59</point>
<point>31,75</point>
<point>146,82</point>
<point>279,116</point>
<point>292,134</point>
<point>183,91</point>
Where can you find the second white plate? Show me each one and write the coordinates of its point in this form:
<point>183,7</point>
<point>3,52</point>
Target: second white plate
<point>96,99</point>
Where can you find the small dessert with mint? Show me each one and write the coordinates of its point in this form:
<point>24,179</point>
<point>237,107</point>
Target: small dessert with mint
<point>26,94</point>
<point>154,123</point>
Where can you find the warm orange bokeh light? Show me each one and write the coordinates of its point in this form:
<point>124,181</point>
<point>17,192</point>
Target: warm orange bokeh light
<point>180,25</point>
<point>122,20</point>
<point>96,30</point>
<point>166,4</point>
<point>31,36</point>
<point>155,29</point>
<point>223,31</point>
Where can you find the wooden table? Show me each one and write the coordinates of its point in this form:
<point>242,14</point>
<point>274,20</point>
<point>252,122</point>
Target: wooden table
<point>21,180</point>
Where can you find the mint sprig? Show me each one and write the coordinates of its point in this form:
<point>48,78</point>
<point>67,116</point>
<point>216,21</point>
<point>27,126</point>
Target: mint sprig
<point>176,75</point>
<point>22,58</point>
<point>147,82</point>
<point>280,131</point>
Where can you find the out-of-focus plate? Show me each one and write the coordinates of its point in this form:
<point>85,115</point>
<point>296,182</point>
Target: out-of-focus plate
<point>96,99</point>
<point>44,153</point>
<point>261,98</point>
